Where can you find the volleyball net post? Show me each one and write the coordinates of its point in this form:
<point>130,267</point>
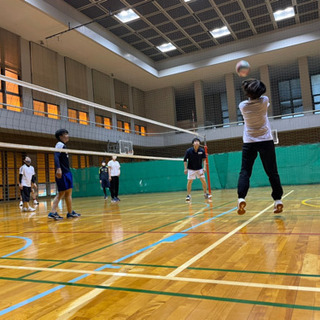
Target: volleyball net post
<point>207,164</point>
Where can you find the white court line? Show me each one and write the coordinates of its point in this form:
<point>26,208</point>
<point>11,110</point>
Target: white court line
<point>156,277</point>
<point>215,244</point>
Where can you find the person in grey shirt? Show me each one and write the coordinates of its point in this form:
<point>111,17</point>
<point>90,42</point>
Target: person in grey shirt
<point>257,138</point>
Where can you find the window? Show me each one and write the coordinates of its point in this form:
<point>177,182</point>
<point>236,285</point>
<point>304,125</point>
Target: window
<point>140,130</point>
<point>78,116</point>
<point>79,161</point>
<point>10,95</point>
<point>290,98</point>
<point>123,126</point>
<point>315,85</point>
<point>103,122</point>
<point>224,109</point>
<point>44,109</point>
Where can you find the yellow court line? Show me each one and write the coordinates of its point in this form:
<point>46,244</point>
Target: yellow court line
<point>171,278</point>
<point>310,205</point>
<point>215,244</point>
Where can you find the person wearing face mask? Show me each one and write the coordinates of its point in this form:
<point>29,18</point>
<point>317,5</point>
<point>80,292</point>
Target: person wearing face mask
<point>104,178</point>
<point>114,173</point>
<point>27,180</point>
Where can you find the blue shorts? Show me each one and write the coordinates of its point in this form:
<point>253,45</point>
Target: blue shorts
<point>65,182</point>
<point>105,183</point>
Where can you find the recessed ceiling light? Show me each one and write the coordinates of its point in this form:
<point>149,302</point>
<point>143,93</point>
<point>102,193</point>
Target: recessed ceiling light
<point>284,14</point>
<point>220,32</point>
<point>166,47</point>
<point>127,15</point>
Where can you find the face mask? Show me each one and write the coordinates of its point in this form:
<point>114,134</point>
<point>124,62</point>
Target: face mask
<point>103,164</point>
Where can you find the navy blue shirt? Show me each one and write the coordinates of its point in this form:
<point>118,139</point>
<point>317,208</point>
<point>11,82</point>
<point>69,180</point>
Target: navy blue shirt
<point>61,159</point>
<point>195,158</point>
<point>103,173</point>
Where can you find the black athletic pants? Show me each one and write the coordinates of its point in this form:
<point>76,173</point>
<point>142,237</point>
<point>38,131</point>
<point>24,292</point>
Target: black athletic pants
<point>268,157</point>
<point>114,186</point>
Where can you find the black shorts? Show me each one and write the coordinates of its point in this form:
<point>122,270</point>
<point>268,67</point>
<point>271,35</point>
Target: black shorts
<point>25,193</point>
<point>105,183</point>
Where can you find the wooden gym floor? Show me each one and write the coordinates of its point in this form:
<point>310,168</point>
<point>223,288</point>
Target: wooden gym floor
<point>152,256</point>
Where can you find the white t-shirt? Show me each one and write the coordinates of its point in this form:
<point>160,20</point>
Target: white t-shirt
<point>114,168</point>
<point>256,123</point>
<point>27,173</point>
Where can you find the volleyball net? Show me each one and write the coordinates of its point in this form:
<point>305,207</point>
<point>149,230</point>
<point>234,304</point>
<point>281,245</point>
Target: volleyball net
<point>150,152</point>
<point>30,116</point>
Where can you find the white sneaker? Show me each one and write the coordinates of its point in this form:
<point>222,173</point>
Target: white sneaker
<point>278,206</point>
<point>35,202</point>
<point>31,209</point>
<point>21,204</point>
<point>241,206</point>
<point>24,209</point>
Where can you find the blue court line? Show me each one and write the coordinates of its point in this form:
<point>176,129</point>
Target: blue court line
<point>219,215</point>
<point>28,243</point>
<point>171,239</point>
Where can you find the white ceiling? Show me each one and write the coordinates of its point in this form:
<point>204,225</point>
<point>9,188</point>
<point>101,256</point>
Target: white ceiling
<point>95,48</point>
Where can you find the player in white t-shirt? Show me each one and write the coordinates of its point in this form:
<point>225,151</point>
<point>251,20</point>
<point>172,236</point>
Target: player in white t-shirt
<point>114,173</point>
<point>27,180</point>
<point>257,138</point>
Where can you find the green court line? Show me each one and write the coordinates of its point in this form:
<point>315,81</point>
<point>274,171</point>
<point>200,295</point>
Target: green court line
<point>169,267</point>
<point>137,235</point>
<point>172,294</point>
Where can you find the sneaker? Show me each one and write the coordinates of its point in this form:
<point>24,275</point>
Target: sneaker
<point>105,198</point>
<point>188,198</point>
<point>241,205</point>
<point>31,209</point>
<point>207,196</point>
<point>21,204</point>
<point>35,202</point>
<point>24,209</point>
<point>113,200</point>
<point>278,206</point>
<point>117,199</point>
<point>73,214</point>
<point>54,216</point>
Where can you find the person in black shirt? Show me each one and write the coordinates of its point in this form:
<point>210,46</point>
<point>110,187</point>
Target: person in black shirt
<point>63,177</point>
<point>194,166</point>
<point>104,178</point>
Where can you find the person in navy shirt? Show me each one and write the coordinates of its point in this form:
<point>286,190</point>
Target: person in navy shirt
<point>194,166</point>
<point>63,177</point>
<point>104,178</point>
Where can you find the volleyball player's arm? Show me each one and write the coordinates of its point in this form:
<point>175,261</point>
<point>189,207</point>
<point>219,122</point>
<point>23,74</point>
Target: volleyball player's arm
<point>185,163</point>
<point>57,165</point>
<point>204,162</point>
<point>100,175</point>
<point>33,181</point>
<point>109,171</point>
<point>20,180</point>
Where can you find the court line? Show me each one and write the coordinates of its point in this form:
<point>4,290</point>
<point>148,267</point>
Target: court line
<point>310,205</point>
<point>215,244</point>
<point>172,294</point>
<point>28,243</point>
<point>194,232</point>
<point>127,239</point>
<point>174,267</point>
<point>86,273</point>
